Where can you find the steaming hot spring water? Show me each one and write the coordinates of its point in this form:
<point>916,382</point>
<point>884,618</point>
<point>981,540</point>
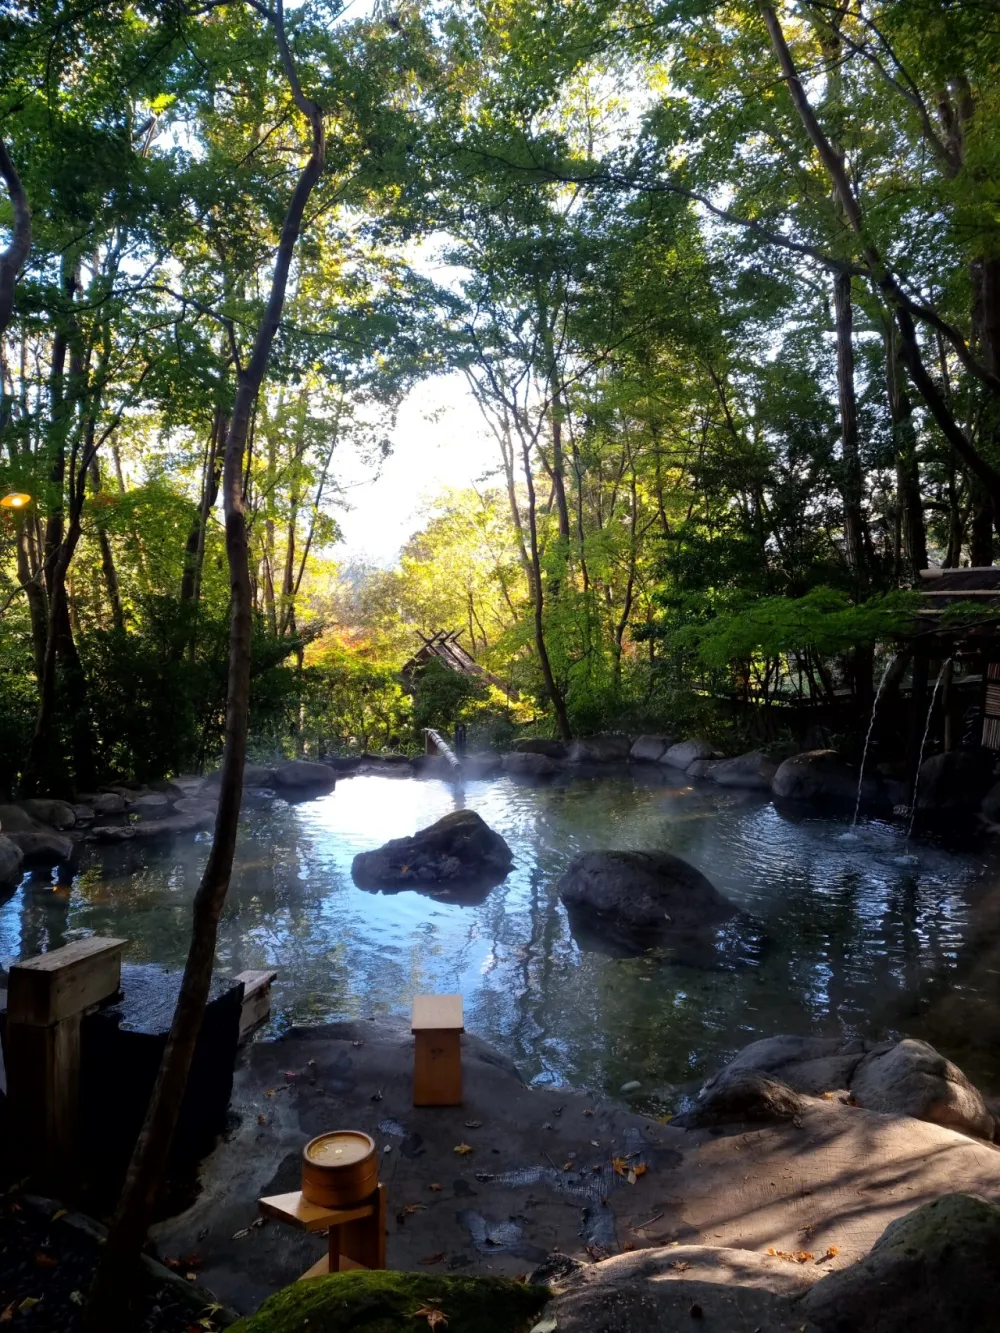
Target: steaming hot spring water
<point>861,935</point>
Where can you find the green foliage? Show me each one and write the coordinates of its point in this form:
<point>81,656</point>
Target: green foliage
<point>824,620</point>
<point>442,697</point>
<point>351,703</point>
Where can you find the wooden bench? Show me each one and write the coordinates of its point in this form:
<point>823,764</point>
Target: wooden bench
<point>437,1026</point>
<point>355,1236</point>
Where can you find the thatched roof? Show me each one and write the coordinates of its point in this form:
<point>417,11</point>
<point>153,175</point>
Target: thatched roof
<point>445,647</point>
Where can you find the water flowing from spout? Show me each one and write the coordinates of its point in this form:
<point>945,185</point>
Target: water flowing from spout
<point>868,737</point>
<point>923,744</point>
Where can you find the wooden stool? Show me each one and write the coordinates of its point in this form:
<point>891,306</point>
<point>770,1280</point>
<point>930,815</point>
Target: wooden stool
<point>437,1026</point>
<point>355,1236</point>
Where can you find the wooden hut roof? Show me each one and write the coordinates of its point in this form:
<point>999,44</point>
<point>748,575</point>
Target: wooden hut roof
<point>444,645</point>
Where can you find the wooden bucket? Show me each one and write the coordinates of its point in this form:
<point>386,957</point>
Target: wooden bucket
<point>339,1169</point>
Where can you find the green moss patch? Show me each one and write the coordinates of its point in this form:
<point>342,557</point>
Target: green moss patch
<point>384,1302</point>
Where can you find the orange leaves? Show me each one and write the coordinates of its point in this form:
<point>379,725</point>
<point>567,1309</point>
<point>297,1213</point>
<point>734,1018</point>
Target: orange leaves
<point>435,1318</point>
<point>796,1257</point>
<point>463,1149</point>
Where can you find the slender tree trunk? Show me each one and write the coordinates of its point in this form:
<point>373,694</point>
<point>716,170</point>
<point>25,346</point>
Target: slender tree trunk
<point>108,569</point>
<point>194,552</point>
<point>913,532</point>
<point>554,693</point>
<point>15,256</point>
<point>854,535</point>
<point>113,1293</point>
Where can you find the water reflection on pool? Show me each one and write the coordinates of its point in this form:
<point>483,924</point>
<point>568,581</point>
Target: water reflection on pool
<point>849,933</point>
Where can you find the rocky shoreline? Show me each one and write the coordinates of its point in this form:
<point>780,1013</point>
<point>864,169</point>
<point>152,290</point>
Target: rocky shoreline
<point>745,1208</point>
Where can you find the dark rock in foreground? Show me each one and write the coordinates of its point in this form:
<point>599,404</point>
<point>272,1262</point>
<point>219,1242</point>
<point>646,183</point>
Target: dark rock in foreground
<point>649,749</point>
<point>644,891</point>
<point>43,847</point>
<point>382,1302</point>
<point>461,846</point>
<point>754,771</point>
<point>934,1269</point>
<point>11,861</point>
<point>743,1095</point>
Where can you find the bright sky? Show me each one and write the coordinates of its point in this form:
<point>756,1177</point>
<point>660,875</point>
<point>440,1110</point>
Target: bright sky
<point>440,440</point>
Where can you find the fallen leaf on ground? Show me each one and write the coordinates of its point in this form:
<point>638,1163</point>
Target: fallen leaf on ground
<point>594,1143</point>
<point>246,1231</point>
<point>261,1120</point>
<point>43,1260</point>
<point>831,1253</point>
<point>409,1208</point>
<point>270,1092</point>
<point>640,1168</point>
<point>28,1303</point>
<point>567,1166</point>
<point>435,1187</point>
<point>77,1297</point>
<point>432,1258</point>
<point>463,1149</point>
<point>799,1256</point>
<point>435,1318</point>
<point>357,1043</point>
<point>681,1265</point>
<point>628,1247</point>
<point>828,1096</point>
<point>473,1124</point>
<point>808,1230</point>
<point>60,1212</point>
<point>620,1165</point>
<point>588,1112</point>
<point>8,1313</point>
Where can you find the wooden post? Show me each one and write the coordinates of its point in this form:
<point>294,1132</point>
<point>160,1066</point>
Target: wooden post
<point>46,998</point>
<point>355,1236</point>
<point>437,1026</point>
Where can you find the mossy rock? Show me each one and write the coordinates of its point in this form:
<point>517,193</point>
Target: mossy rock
<point>384,1302</point>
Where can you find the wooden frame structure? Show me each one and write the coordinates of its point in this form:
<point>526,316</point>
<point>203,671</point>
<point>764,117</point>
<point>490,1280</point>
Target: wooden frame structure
<point>355,1236</point>
<point>437,1026</point>
<point>444,645</point>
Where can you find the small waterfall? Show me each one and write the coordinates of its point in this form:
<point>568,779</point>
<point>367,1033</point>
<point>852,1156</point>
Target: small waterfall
<point>923,744</point>
<point>868,737</point>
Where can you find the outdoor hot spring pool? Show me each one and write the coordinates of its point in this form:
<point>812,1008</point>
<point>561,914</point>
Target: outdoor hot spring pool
<point>840,934</point>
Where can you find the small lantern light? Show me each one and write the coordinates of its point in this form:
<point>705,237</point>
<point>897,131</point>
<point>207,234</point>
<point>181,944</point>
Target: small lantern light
<point>15,500</point>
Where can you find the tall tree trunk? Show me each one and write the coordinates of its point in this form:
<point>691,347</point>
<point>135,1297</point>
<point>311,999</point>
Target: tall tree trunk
<point>854,534</point>
<point>108,569</point>
<point>15,256</point>
<point>211,473</point>
<point>552,689</point>
<point>113,1293</point>
<point>908,499</point>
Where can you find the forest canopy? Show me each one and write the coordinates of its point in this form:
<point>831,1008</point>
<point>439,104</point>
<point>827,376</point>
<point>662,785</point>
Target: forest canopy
<point>722,279</point>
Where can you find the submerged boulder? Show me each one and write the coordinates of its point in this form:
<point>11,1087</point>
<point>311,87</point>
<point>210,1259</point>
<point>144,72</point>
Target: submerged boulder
<point>912,1078</point>
<point>154,803</point>
<point>299,775</point>
<point>935,1269</point>
<point>649,749</point>
<point>529,764</point>
<point>11,860</point>
<point>254,775</point>
<point>685,753</point>
<point>955,781</point>
<point>461,846</point>
<point>817,775</point>
<point>643,891</point>
<point>43,847</point>
<point>755,771</point>
<point>599,750</point>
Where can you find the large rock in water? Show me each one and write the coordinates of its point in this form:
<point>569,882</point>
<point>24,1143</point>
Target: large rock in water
<point>461,846</point>
<point>530,764</point>
<point>54,813</point>
<point>254,775</point>
<point>807,1064</point>
<point>754,771</point>
<point>599,750</point>
<point>643,891</point>
<point>301,775</point>
<point>912,1078</point>
<point>15,820</point>
<point>43,847</point>
<point>684,753</point>
<point>955,781</point>
<point>934,1269</point>
<point>649,749</point>
<point>541,745</point>
<point>817,775</point>
<point>11,860</point>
